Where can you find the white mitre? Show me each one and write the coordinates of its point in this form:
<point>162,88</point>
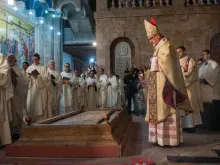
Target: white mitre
<point>151,28</point>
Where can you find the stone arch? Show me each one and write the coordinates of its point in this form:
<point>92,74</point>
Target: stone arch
<point>215,47</point>
<point>209,37</point>
<point>133,39</point>
<point>76,3</point>
<point>113,47</point>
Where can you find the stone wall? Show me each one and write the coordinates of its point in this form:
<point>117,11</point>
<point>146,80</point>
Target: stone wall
<point>192,27</point>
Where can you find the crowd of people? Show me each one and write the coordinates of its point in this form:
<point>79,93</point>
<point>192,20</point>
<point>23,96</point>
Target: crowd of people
<point>43,92</point>
<point>172,92</point>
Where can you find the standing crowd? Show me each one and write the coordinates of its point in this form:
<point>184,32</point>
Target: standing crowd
<point>172,92</point>
<point>43,92</point>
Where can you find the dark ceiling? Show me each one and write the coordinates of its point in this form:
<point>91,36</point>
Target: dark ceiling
<point>83,52</point>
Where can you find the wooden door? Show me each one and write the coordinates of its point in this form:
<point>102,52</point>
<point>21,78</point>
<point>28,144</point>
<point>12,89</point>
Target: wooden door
<point>215,47</point>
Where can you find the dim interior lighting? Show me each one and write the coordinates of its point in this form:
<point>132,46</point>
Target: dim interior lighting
<point>15,8</point>
<point>58,33</point>
<point>46,11</point>
<point>58,14</point>
<point>30,12</point>
<point>11,2</point>
<point>91,60</point>
<point>51,28</point>
<point>53,16</point>
<point>41,21</point>
<point>94,43</point>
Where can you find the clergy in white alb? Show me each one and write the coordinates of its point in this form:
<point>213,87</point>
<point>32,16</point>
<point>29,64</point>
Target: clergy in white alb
<point>85,73</point>
<point>112,91</point>
<point>209,75</point>
<point>38,99</point>
<point>102,87</point>
<point>75,88</point>
<point>83,91</point>
<point>66,101</point>
<point>6,93</point>
<point>55,87</point>
<point>25,65</point>
<point>191,79</point>
<point>92,91</point>
<point>20,81</point>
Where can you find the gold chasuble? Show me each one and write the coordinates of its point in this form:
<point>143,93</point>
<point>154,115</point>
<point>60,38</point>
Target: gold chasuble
<point>162,85</point>
<point>167,95</point>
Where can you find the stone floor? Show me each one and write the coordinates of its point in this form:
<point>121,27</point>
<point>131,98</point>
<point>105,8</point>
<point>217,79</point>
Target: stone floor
<point>200,144</point>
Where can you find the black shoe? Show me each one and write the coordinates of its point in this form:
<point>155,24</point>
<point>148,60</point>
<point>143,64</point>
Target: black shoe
<point>191,130</point>
<point>15,137</point>
<point>185,129</point>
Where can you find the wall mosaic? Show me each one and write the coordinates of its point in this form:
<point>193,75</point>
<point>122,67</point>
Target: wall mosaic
<point>16,36</point>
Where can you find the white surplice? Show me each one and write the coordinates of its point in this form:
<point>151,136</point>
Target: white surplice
<point>210,71</point>
<point>83,92</point>
<point>92,92</point>
<point>38,100</point>
<point>17,101</point>
<point>193,90</point>
<point>102,87</point>
<point>112,97</point>
<point>6,93</point>
<point>55,91</point>
<point>66,101</point>
<point>75,89</point>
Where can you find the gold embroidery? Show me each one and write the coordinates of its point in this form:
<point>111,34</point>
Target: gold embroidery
<point>152,98</point>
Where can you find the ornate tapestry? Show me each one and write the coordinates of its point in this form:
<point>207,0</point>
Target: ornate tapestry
<point>152,90</point>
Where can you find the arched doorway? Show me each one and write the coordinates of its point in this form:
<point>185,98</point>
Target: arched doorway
<point>215,47</point>
<point>122,54</point>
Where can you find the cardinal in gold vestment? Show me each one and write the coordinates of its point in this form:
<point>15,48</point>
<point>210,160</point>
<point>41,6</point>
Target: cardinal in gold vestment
<point>167,95</point>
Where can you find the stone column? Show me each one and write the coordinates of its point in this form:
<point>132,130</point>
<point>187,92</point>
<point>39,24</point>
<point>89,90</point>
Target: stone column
<point>36,39</point>
<point>101,5</point>
<point>48,40</point>
<point>39,41</point>
<point>57,43</point>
